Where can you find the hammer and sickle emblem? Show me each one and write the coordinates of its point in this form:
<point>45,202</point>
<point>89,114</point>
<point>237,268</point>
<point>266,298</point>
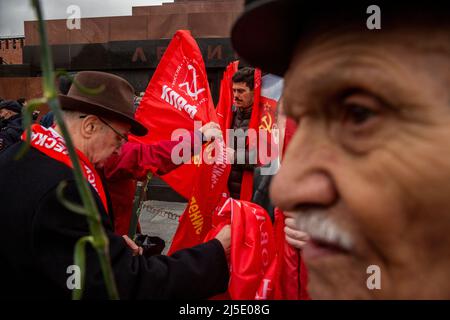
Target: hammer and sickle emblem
<point>196,92</point>
<point>197,160</point>
<point>207,153</point>
<point>266,123</point>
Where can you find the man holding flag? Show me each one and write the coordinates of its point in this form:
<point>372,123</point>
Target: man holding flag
<point>243,98</point>
<point>39,234</point>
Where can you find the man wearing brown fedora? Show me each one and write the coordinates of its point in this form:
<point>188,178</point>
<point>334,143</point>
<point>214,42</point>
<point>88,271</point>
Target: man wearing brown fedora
<point>37,242</point>
<point>367,171</point>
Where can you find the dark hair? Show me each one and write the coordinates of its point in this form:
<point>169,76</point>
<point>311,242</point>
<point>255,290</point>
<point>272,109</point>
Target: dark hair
<point>246,75</point>
<point>21,101</point>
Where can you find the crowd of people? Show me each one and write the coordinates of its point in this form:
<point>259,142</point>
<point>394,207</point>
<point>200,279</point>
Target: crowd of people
<point>363,181</point>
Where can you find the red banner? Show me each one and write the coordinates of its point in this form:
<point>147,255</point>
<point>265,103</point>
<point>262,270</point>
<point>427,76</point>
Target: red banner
<point>177,94</point>
<point>290,278</point>
<point>209,184</point>
<point>253,252</point>
<point>223,108</point>
<point>263,266</point>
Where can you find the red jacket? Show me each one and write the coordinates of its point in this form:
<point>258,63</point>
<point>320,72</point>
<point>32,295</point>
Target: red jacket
<point>124,170</point>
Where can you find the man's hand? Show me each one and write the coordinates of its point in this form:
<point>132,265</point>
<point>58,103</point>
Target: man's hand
<point>295,237</point>
<point>133,246</point>
<point>224,236</point>
<point>230,155</point>
<point>211,131</point>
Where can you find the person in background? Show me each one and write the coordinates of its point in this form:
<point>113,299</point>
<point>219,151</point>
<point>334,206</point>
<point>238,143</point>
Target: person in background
<point>243,83</point>
<point>10,123</point>
<point>22,101</point>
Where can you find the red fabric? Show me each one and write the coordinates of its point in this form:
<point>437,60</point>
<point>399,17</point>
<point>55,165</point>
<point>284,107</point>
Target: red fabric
<point>122,194</point>
<point>268,122</point>
<point>223,108</point>
<point>256,112</point>
<point>177,94</point>
<point>225,116</point>
<point>253,251</point>
<point>263,266</point>
<point>291,280</point>
<point>122,172</point>
<point>247,178</point>
<point>208,186</point>
<point>49,142</point>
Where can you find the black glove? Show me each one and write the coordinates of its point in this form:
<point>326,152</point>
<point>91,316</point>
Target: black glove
<point>151,245</point>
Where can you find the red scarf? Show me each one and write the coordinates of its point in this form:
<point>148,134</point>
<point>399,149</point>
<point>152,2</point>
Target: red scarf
<point>50,143</point>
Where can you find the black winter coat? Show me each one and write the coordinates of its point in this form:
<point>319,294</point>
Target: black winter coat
<point>39,234</point>
<point>241,120</point>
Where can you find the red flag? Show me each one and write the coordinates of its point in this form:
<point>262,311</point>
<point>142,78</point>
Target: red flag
<point>253,251</point>
<point>291,276</point>
<point>263,266</point>
<point>208,185</point>
<point>267,92</point>
<point>247,179</point>
<point>223,108</point>
<point>290,273</point>
<point>177,94</point>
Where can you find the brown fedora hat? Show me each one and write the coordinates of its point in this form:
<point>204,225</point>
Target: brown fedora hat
<point>114,101</point>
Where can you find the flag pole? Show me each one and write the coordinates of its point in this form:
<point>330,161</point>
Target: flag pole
<point>141,190</point>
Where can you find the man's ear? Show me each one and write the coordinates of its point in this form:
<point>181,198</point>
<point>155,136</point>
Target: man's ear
<point>89,126</point>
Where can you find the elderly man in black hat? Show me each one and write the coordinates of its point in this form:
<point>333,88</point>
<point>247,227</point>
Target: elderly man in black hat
<point>367,173</point>
<point>10,123</point>
<point>39,233</point>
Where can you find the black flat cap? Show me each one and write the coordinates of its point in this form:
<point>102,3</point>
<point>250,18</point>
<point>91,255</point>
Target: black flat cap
<point>268,31</point>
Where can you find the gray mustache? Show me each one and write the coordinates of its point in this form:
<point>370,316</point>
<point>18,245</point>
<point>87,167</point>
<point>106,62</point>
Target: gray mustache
<point>321,227</point>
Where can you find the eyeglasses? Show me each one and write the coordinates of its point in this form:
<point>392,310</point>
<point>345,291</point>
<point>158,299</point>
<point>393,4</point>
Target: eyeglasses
<point>121,135</point>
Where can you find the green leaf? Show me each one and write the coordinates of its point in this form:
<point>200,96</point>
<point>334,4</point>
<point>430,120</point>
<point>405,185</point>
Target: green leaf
<point>98,236</point>
<point>80,260</point>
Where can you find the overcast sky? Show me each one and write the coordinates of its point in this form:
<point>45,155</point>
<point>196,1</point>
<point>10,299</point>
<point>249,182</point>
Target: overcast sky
<point>14,12</point>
